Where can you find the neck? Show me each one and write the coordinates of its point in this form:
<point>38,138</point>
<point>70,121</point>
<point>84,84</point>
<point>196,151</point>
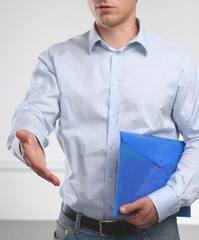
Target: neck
<point>118,36</point>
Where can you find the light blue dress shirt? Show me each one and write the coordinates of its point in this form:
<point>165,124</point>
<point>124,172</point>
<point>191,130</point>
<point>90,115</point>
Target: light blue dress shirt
<point>90,92</point>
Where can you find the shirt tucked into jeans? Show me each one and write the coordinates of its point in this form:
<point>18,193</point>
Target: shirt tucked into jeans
<point>90,92</point>
<point>69,230</point>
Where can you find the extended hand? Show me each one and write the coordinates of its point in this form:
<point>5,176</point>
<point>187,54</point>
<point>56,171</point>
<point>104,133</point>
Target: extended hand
<point>33,156</point>
<point>145,213</point>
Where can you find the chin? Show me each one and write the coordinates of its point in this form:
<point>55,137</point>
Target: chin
<point>108,22</point>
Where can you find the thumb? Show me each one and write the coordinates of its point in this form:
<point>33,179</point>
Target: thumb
<point>129,208</point>
<point>22,135</point>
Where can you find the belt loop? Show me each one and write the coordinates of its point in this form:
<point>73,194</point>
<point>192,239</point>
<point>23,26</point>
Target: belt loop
<point>141,233</point>
<point>78,223</point>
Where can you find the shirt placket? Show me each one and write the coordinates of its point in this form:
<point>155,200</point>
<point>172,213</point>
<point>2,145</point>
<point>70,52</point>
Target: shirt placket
<point>113,134</point>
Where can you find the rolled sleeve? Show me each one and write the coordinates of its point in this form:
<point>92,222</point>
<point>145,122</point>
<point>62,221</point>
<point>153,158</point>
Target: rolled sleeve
<point>14,148</point>
<point>40,109</point>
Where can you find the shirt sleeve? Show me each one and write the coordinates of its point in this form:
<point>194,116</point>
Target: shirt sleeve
<point>40,109</point>
<point>182,188</point>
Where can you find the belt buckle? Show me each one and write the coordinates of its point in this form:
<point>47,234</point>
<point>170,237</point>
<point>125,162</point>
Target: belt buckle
<point>101,228</point>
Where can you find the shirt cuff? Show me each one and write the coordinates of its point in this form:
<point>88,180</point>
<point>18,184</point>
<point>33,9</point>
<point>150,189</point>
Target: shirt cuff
<point>14,145</point>
<point>16,149</point>
<point>165,201</point>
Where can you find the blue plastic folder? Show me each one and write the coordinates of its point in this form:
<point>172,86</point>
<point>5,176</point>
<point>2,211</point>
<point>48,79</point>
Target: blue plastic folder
<point>145,165</point>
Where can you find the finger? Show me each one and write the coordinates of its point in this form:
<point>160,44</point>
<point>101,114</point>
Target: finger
<point>131,219</point>
<point>47,175</point>
<point>52,179</point>
<point>129,208</point>
<point>139,221</point>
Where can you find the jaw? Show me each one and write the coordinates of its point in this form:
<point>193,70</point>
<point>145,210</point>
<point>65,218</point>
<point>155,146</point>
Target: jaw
<point>114,20</point>
<point>113,13</point>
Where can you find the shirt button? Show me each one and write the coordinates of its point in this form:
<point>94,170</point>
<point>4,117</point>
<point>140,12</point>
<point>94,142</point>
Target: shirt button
<point>116,83</point>
<point>110,179</point>
<point>117,53</point>
<point>114,114</point>
<point>112,147</point>
<point>111,209</point>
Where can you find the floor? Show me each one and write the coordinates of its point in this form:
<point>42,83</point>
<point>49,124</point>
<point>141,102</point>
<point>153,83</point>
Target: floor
<point>36,230</point>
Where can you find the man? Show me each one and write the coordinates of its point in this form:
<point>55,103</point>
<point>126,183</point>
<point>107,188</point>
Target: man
<point>117,77</point>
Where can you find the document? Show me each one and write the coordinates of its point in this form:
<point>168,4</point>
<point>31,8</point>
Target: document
<point>145,165</point>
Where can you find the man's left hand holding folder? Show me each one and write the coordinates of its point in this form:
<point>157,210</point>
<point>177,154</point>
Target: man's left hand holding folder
<point>144,213</point>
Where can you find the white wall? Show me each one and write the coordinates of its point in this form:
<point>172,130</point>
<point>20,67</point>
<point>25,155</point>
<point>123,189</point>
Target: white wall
<point>28,27</point>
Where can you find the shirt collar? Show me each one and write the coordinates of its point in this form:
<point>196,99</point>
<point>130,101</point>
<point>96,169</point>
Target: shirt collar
<point>94,38</point>
<point>141,38</point>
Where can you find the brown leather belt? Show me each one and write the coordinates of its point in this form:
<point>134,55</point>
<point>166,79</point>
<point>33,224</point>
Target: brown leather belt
<point>104,227</point>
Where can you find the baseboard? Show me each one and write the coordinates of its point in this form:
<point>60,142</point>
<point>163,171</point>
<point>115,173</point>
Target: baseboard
<point>20,166</point>
<point>28,217</point>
